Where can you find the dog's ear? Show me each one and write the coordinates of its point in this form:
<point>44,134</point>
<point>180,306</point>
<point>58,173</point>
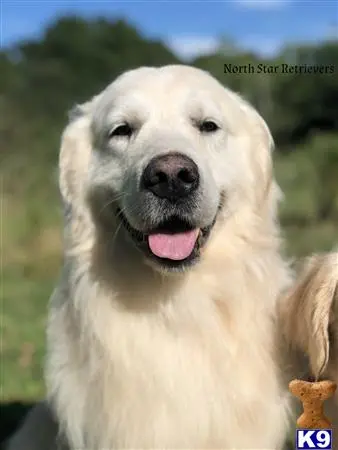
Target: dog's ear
<point>311,308</point>
<point>74,155</point>
<point>267,191</point>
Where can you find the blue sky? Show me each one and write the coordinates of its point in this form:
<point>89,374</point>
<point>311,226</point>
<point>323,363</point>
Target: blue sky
<point>188,27</point>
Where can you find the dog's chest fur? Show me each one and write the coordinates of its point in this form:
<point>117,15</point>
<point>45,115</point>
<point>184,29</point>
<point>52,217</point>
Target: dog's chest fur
<point>181,377</point>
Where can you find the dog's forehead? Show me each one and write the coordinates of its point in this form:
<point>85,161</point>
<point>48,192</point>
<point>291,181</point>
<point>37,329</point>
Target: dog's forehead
<point>164,86</point>
<point>171,91</point>
<point>164,77</point>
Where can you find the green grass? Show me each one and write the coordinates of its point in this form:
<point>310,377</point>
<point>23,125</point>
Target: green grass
<point>31,242</point>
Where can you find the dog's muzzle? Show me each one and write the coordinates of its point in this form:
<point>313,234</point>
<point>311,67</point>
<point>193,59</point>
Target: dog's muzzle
<point>169,227</point>
<point>172,178</point>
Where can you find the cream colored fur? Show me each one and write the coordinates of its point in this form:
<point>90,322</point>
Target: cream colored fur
<point>310,320</point>
<point>141,359</point>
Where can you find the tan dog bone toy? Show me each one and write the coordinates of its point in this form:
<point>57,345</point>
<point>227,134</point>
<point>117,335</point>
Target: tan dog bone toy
<point>312,395</point>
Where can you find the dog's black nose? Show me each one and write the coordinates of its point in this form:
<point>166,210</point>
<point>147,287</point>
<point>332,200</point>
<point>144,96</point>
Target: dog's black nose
<point>171,176</point>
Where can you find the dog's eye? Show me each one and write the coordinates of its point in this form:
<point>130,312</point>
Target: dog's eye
<point>208,126</point>
<point>122,130</point>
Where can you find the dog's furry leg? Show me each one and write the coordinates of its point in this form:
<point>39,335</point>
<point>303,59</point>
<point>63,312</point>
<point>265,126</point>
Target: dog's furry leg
<point>310,313</point>
<point>309,320</point>
<point>39,431</point>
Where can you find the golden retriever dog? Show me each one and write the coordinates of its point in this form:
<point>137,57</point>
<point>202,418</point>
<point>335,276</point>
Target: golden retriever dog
<point>177,323</point>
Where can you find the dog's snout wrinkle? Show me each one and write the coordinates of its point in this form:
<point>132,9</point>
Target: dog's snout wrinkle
<point>171,176</point>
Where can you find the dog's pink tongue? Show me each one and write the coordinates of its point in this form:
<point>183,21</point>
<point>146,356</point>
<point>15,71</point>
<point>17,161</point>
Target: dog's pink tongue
<point>176,246</point>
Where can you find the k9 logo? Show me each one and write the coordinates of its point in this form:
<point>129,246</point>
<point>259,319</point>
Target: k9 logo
<point>313,439</point>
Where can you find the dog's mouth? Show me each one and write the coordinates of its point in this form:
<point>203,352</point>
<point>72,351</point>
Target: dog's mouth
<point>174,243</point>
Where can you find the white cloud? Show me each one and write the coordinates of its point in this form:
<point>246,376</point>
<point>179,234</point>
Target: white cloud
<point>261,45</point>
<point>266,46</point>
<point>261,4</point>
<point>191,46</point>
<point>188,47</point>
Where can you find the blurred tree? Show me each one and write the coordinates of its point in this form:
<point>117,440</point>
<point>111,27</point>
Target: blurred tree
<point>76,58</point>
<point>305,102</point>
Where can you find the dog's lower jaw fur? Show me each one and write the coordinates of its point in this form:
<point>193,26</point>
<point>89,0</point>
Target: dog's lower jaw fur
<point>185,374</point>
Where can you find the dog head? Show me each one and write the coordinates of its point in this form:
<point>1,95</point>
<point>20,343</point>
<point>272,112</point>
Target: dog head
<point>160,160</point>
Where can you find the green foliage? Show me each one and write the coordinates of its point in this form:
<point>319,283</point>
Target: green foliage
<point>75,59</point>
<point>294,104</point>
<point>309,179</point>
<point>40,81</point>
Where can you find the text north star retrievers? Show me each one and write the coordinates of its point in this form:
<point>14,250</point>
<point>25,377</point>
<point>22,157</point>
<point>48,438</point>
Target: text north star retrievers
<point>279,68</point>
